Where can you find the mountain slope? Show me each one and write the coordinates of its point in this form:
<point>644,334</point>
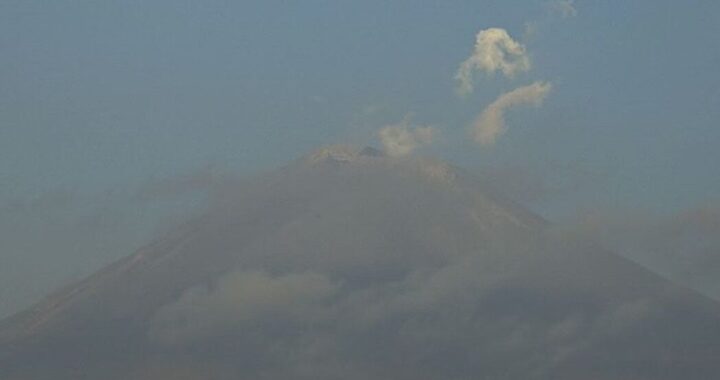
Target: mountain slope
<point>348,264</point>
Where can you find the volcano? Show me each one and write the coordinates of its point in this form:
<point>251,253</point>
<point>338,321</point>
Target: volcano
<point>347,264</point>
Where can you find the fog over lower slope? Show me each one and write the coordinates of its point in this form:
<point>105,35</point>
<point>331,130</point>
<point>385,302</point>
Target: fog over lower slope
<point>350,264</point>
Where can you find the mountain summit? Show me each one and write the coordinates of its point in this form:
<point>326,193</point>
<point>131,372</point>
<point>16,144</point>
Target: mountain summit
<point>351,264</point>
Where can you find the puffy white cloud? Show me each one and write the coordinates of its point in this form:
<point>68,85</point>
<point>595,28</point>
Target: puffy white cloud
<point>491,122</point>
<point>402,139</point>
<point>494,51</point>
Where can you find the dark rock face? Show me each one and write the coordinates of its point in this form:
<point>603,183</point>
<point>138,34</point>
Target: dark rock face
<point>348,264</point>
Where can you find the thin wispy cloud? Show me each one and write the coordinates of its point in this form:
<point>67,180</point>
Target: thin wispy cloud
<point>565,8</point>
<point>491,122</point>
<point>494,51</point>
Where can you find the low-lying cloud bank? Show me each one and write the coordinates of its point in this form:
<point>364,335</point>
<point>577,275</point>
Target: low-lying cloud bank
<point>240,300</point>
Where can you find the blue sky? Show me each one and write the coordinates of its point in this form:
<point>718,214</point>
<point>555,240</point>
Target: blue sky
<point>98,95</point>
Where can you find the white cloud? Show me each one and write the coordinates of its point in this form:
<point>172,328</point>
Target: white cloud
<point>494,51</point>
<point>401,139</point>
<point>491,122</point>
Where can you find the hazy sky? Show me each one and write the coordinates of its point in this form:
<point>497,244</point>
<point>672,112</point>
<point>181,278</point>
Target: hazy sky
<point>99,97</point>
<point>96,94</point>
